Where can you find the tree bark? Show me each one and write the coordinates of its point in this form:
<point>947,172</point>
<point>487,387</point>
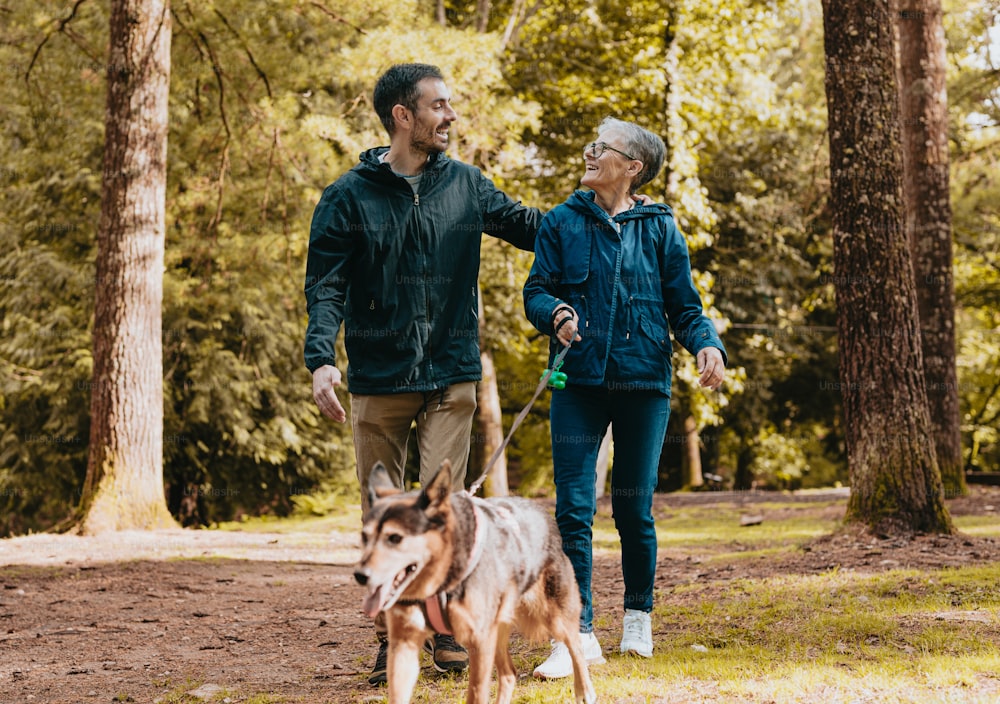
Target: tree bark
<point>604,462</point>
<point>489,422</point>
<point>124,484</point>
<point>895,483</point>
<point>924,107</point>
<point>483,9</point>
<point>670,61</point>
<point>693,477</point>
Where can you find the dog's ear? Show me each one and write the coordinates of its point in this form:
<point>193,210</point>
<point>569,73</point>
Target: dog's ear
<point>379,483</point>
<point>434,499</point>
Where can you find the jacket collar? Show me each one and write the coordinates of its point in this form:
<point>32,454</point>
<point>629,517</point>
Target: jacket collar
<point>584,202</point>
<point>371,162</point>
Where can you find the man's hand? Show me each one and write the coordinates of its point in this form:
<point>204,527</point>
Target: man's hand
<point>711,366</point>
<point>566,332</point>
<point>325,380</point>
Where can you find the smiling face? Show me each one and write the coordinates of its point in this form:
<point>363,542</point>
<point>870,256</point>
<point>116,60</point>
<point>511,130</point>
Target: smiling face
<point>392,561</point>
<point>610,172</point>
<point>405,551</point>
<point>433,117</point>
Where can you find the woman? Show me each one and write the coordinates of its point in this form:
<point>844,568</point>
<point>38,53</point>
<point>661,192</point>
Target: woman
<point>609,273</point>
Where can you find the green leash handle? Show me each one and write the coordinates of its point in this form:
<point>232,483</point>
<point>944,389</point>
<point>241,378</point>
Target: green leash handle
<point>556,379</point>
<point>520,416</point>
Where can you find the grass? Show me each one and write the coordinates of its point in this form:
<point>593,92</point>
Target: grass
<point>903,636</point>
<point>183,695</point>
<point>344,521</point>
<point>838,637</point>
<point>900,636</point>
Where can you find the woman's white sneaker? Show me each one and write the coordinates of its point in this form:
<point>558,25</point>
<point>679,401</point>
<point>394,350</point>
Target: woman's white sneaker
<point>559,664</point>
<point>637,633</point>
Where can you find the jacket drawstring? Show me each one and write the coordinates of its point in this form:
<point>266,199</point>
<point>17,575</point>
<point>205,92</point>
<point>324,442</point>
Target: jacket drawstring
<point>429,398</point>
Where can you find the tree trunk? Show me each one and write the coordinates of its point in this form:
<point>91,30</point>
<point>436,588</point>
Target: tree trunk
<point>895,483</point>
<point>124,484</point>
<point>671,57</point>
<point>489,423</point>
<point>483,8</point>
<point>603,462</point>
<point>692,455</point>
<point>924,107</point>
<point>743,479</point>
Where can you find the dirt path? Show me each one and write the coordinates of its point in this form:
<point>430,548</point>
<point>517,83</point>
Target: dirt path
<point>135,616</point>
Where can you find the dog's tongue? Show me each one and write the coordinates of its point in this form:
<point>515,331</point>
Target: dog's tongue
<point>374,602</point>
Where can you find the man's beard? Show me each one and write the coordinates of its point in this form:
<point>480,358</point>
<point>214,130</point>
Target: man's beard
<point>429,143</point>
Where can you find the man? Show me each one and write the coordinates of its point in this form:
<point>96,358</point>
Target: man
<point>394,255</point>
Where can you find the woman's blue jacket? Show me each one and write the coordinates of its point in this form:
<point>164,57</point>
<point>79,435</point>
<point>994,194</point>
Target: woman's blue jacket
<point>627,277</point>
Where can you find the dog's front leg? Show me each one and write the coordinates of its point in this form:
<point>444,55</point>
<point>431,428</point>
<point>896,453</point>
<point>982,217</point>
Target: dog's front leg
<point>481,653</point>
<point>406,637</point>
<point>403,668</point>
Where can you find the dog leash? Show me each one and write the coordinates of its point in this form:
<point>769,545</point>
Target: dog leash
<point>559,381</point>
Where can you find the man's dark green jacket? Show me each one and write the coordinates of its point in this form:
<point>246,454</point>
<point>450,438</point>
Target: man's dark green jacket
<point>399,270</point>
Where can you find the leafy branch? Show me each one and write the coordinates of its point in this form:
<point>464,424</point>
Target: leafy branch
<point>62,27</point>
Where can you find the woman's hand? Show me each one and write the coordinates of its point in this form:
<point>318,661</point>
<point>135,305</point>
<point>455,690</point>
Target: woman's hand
<point>711,366</point>
<point>566,323</point>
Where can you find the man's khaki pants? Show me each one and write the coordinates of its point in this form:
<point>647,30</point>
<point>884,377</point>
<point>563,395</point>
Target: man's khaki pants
<point>382,423</point>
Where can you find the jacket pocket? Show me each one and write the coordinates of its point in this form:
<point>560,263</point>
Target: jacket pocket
<point>655,331</point>
<point>576,269</point>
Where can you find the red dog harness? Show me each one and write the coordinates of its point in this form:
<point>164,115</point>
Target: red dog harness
<point>435,607</point>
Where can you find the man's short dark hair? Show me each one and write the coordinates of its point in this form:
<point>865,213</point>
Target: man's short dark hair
<point>398,86</point>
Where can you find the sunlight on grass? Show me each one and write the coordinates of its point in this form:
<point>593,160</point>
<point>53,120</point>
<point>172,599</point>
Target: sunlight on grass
<point>838,637</point>
<point>905,637</point>
<point>721,525</point>
<point>717,529</point>
<point>841,636</point>
<point>731,676</point>
<point>347,519</point>
<point>979,526</point>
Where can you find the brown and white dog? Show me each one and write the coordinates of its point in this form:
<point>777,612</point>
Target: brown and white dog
<point>434,560</point>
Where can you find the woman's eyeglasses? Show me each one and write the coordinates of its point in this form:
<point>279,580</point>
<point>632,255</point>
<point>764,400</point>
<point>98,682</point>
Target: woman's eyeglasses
<point>596,149</point>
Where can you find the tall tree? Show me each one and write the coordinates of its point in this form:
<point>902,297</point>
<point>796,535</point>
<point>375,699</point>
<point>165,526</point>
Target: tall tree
<point>924,108</point>
<point>489,415</point>
<point>489,421</point>
<point>124,483</point>
<point>895,483</point>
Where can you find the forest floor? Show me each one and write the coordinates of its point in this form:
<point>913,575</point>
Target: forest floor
<point>210,615</point>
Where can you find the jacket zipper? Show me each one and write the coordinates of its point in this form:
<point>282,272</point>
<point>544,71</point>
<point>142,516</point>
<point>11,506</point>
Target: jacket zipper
<point>628,319</point>
<point>427,298</point>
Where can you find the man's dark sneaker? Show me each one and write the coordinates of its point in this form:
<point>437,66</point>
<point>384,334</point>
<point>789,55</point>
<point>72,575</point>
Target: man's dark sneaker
<point>449,656</point>
<point>378,676</point>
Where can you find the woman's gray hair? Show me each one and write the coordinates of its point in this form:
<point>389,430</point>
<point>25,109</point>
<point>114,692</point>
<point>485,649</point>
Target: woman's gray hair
<point>643,145</point>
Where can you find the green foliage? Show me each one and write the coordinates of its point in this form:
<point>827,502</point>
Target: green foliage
<point>772,263</point>
<point>270,103</point>
<point>583,61</point>
<point>975,137</point>
<point>49,210</point>
<point>779,462</point>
